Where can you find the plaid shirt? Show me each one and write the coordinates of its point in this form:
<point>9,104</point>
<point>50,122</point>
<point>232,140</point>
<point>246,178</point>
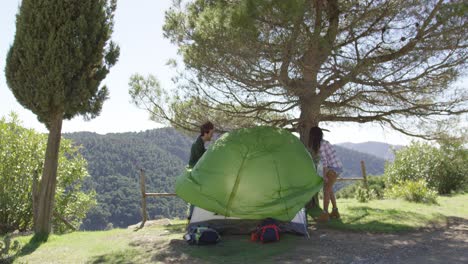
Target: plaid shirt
<point>328,157</point>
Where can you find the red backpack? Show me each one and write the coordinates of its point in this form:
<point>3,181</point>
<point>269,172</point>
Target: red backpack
<point>267,232</point>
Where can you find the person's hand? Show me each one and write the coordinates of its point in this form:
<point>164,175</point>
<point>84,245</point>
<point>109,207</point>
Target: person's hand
<point>325,179</point>
<point>332,173</point>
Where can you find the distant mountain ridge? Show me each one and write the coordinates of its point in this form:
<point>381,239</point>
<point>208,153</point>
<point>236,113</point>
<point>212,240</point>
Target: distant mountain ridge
<point>379,149</point>
<point>115,160</point>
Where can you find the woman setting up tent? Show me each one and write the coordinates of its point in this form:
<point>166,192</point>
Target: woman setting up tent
<point>323,151</point>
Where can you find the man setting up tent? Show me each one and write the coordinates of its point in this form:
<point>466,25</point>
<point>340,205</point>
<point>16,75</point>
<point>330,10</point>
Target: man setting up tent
<point>198,147</point>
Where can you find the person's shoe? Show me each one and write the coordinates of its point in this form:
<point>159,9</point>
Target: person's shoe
<point>324,217</point>
<point>335,214</point>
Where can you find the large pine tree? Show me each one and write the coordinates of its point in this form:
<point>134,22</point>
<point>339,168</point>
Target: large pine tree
<point>299,63</point>
<point>61,53</point>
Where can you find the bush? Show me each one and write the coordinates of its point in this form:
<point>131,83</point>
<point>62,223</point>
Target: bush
<point>376,188</point>
<point>455,162</point>
<point>22,154</point>
<point>363,196</point>
<point>412,191</point>
<point>377,185</point>
<point>347,192</point>
<point>444,169</point>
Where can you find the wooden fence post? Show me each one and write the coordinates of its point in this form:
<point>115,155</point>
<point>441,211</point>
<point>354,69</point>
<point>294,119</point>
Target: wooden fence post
<point>364,175</point>
<point>144,215</point>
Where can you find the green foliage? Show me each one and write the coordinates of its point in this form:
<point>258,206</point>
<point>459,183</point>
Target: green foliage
<point>21,153</point>
<point>114,163</point>
<point>455,165</point>
<point>115,160</point>
<point>444,169</point>
<point>318,62</point>
<point>347,192</point>
<point>61,53</point>
<point>188,113</point>
<point>377,186</point>
<point>363,195</point>
<point>412,191</point>
<point>71,201</point>
<point>376,189</point>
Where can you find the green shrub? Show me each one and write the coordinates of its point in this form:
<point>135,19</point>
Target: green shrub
<point>455,166</point>
<point>412,191</point>
<point>363,196</point>
<point>444,169</point>
<point>348,191</point>
<point>21,156</point>
<point>376,188</point>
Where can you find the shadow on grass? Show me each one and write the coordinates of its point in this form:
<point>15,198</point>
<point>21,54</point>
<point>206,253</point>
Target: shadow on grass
<point>176,228</point>
<point>231,249</point>
<point>363,218</point>
<point>171,229</point>
<point>120,257</point>
<point>314,212</point>
<point>34,243</point>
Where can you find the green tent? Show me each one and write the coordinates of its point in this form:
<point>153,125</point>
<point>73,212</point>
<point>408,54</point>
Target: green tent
<point>252,173</point>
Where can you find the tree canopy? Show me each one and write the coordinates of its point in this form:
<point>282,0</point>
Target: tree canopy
<point>60,54</point>
<point>309,61</point>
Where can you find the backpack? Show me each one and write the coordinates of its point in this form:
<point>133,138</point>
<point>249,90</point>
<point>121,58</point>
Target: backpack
<point>201,235</point>
<point>267,231</point>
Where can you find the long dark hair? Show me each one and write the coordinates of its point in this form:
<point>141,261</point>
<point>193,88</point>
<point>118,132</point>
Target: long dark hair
<point>315,137</point>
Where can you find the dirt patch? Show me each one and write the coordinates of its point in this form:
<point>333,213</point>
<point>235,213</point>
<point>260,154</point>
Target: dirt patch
<point>440,245</point>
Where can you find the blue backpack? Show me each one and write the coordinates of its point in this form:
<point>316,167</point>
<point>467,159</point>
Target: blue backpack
<point>201,235</point>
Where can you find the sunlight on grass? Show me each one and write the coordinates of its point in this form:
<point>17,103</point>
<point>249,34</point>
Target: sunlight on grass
<point>163,244</point>
<point>397,215</point>
<point>75,247</point>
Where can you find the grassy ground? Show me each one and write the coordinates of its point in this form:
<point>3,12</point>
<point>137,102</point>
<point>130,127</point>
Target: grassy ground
<point>161,244</point>
<point>398,215</point>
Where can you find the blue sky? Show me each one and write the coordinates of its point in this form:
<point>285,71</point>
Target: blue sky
<point>138,31</point>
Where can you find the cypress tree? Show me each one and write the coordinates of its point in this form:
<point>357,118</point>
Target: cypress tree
<point>60,54</point>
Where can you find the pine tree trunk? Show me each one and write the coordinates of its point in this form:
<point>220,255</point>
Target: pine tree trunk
<point>309,119</point>
<point>48,182</point>
<point>35,197</point>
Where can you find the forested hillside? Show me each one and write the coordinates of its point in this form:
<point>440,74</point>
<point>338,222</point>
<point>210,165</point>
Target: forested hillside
<point>352,162</point>
<point>114,161</point>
